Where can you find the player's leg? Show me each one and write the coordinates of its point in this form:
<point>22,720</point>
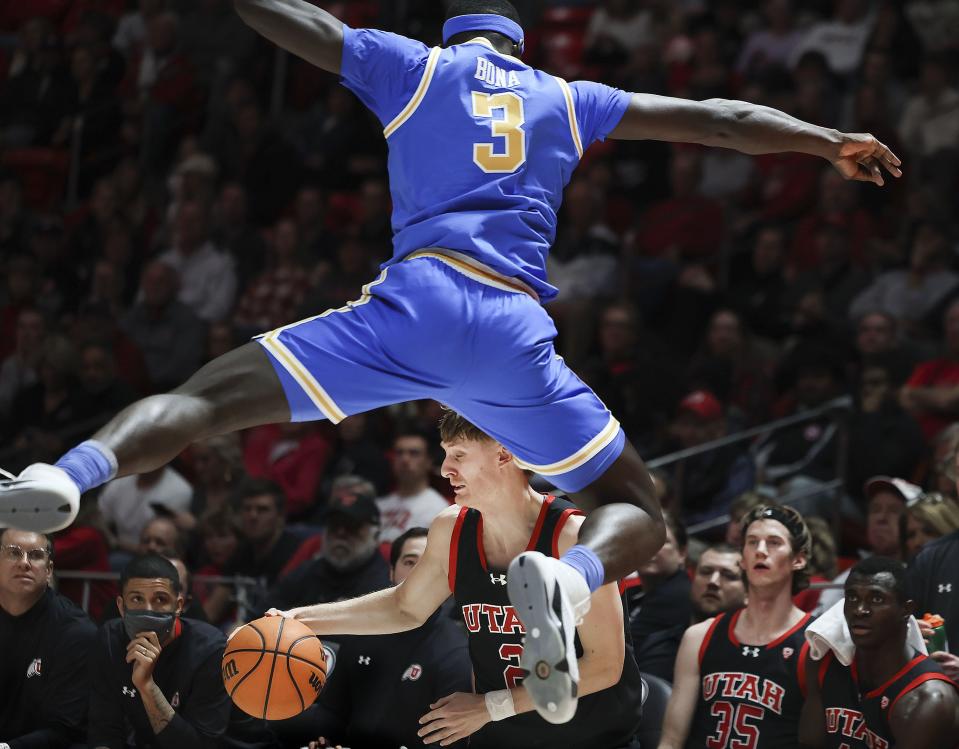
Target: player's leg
<point>237,390</point>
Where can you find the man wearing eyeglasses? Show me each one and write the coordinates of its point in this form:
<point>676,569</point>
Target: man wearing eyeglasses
<point>44,642</point>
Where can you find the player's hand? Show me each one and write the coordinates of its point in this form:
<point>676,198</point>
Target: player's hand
<point>278,612</point>
<point>862,157</point>
<point>453,718</point>
<point>925,629</point>
<point>948,662</point>
<point>143,652</point>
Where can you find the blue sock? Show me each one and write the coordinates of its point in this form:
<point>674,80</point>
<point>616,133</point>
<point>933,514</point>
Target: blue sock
<point>89,465</point>
<point>584,561</point>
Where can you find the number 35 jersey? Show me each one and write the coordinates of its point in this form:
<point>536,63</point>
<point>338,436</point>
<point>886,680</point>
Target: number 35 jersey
<point>750,695</point>
<point>481,146</point>
<point>604,720</point>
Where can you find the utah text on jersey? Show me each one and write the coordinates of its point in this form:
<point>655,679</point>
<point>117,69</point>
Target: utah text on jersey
<point>851,724</point>
<point>499,620</point>
<point>763,692</point>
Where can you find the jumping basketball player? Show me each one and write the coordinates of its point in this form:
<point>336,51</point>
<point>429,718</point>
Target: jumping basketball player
<point>469,548</point>
<point>891,695</point>
<point>480,148</point>
<point>739,677</point>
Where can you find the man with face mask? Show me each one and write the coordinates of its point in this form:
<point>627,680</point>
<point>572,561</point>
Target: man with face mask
<point>44,642</point>
<point>157,676</point>
<point>349,563</point>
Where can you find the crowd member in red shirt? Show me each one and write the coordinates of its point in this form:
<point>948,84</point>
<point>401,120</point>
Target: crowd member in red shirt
<point>931,394</point>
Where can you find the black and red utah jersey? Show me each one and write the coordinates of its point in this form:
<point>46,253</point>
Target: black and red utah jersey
<point>857,720</point>
<point>751,695</point>
<point>603,720</point>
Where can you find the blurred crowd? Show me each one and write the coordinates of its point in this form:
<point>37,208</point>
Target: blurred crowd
<point>171,184</point>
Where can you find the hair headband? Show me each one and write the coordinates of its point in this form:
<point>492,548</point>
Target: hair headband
<point>789,520</point>
<point>483,22</point>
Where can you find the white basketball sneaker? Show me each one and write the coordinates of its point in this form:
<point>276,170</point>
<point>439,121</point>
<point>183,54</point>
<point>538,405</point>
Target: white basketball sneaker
<point>42,499</point>
<point>550,598</point>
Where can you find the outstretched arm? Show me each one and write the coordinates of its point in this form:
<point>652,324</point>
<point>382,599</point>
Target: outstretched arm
<point>298,27</point>
<point>396,609</point>
<point>753,129</point>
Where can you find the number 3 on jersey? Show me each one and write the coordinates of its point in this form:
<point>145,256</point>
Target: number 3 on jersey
<point>509,127</point>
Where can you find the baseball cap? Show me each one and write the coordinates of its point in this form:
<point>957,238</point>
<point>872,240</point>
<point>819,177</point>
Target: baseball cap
<point>703,404</point>
<point>909,492</point>
<point>355,502</point>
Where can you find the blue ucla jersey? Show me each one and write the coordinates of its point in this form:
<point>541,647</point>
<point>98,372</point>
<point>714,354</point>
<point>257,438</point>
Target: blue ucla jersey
<point>481,146</point>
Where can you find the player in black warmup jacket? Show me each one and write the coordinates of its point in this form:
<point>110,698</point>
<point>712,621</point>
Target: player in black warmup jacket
<point>44,645</point>
<point>156,676</point>
<point>468,550</point>
<point>890,695</point>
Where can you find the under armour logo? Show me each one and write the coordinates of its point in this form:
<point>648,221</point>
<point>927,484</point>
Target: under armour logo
<point>131,693</point>
<point>945,587</point>
<point>364,660</point>
<point>497,579</point>
<point>754,652</point>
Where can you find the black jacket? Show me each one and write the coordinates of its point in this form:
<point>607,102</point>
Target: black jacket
<point>382,685</point>
<point>44,679</point>
<point>188,674</point>
<point>317,581</point>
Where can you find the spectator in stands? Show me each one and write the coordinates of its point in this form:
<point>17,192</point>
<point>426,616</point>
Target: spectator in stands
<point>127,504</point>
<point>373,217</point>
<point>357,453</point>
<point>20,290</point>
<point>46,642</point>
<point>207,276</point>
<point>757,288</point>
<point>686,226</point>
<point>707,482</point>
<point>309,213</point>
<point>823,563</point>
<point>217,469</point>
<point>218,533</point>
<point>717,584</point>
<point>882,436</point>
<point>931,394</point>
<point>842,40</point>
<point>929,517</point>
<point>101,391</point>
<point>932,581</point>
<point>83,547</point>
<point>735,367</point>
<point>910,295</point>
<point>415,668</point>
<point>770,46</point>
<point>634,373</point>
<point>273,298</point>
<point>216,41</point>
<point>293,455</point>
<point>263,160</point>
<point>265,546</point>
<point>170,335</point>
<point>806,450</point>
<point>413,502</point>
<point>349,563</point>
<point>616,29</point>
<point>43,411</point>
<point>660,610</point>
<point>14,218</point>
<point>738,509</point>
<point>161,536</point>
<point>230,230</point>
<point>335,283</point>
<point>160,93</point>
<point>878,337</point>
<point>887,501</point>
<point>19,370</point>
<point>131,30</point>
<point>930,120</point>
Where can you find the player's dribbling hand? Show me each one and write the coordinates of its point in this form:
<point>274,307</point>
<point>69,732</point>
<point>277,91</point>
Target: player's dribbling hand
<point>143,651</point>
<point>862,157</point>
<point>453,718</point>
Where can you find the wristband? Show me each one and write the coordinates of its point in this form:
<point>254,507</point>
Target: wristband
<point>499,704</point>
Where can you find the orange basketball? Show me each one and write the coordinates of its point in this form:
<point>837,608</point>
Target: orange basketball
<point>274,668</point>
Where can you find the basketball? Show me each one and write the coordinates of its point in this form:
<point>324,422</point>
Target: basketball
<point>274,668</point>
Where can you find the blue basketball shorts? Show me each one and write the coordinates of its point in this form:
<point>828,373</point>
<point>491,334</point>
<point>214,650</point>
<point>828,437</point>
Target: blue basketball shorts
<point>439,325</point>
